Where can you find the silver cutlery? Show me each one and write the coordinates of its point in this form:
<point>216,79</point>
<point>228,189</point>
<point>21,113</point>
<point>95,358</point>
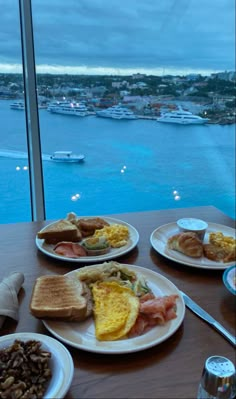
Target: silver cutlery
<point>194,307</point>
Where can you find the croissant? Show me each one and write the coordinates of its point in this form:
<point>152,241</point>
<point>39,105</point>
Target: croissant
<point>188,243</point>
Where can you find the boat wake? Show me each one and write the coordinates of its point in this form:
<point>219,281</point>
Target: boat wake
<point>20,155</point>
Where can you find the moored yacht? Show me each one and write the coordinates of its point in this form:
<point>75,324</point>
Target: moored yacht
<point>68,108</point>
<point>54,104</point>
<point>18,105</point>
<point>117,112</point>
<point>182,117</point>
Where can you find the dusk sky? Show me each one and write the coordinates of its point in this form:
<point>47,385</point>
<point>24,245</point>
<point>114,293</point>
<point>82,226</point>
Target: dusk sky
<point>123,36</point>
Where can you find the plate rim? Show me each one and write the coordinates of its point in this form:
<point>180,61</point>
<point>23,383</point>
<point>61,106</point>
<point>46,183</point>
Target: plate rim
<point>88,259</point>
<point>212,265</point>
<point>225,279</point>
<point>99,349</point>
<point>50,342</point>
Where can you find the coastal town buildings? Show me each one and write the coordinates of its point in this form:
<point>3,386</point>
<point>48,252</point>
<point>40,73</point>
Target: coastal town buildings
<point>145,95</point>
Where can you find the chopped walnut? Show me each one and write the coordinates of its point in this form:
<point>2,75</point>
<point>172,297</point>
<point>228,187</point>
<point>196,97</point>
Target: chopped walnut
<point>25,370</point>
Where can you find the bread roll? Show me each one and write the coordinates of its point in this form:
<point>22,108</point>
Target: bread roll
<point>187,243</point>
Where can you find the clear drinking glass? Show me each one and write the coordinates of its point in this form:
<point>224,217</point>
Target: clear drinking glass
<point>218,379</point>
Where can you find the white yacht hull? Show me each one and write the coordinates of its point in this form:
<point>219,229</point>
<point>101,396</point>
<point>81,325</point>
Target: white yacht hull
<point>116,112</point>
<point>183,122</point>
<point>62,112</point>
<point>115,116</point>
<point>182,117</point>
<point>18,106</point>
<point>68,108</point>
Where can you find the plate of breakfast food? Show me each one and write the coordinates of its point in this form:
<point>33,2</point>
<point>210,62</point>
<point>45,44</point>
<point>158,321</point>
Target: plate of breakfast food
<point>229,279</point>
<point>216,249</point>
<point>86,239</point>
<point>43,367</point>
<point>108,308</point>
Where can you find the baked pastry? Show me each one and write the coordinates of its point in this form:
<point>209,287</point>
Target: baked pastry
<point>187,243</point>
<point>219,254</point>
<point>88,226</point>
<point>221,248</point>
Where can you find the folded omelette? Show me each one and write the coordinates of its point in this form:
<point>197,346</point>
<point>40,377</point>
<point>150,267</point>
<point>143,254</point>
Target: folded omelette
<point>115,310</point>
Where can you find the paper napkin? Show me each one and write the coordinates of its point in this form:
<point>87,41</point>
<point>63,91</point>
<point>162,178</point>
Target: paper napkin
<point>9,288</point>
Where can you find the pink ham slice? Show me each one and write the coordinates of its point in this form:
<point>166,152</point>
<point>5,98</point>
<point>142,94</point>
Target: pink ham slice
<point>153,311</point>
<point>70,249</point>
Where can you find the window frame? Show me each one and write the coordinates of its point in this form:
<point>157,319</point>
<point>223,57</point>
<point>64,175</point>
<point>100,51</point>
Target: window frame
<point>31,113</point>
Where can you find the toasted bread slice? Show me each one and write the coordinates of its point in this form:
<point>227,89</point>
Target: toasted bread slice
<point>63,230</point>
<point>60,297</point>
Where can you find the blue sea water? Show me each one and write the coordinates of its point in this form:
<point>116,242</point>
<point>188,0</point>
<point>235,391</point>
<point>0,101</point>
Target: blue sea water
<point>129,166</point>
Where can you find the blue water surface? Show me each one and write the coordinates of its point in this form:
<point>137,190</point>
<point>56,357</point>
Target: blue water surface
<point>129,166</point>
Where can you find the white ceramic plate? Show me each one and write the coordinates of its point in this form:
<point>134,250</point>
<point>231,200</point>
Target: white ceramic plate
<point>62,365</point>
<point>159,238</point>
<point>112,254</point>
<point>82,335</point>
<point>229,279</point>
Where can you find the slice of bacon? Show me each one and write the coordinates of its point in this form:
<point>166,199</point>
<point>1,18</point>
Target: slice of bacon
<point>69,249</point>
<point>139,327</point>
<point>153,311</point>
<point>146,297</point>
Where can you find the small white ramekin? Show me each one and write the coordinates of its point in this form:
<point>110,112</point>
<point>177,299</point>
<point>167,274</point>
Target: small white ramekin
<point>197,226</point>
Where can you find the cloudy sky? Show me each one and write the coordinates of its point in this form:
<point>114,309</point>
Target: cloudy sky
<point>123,36</point>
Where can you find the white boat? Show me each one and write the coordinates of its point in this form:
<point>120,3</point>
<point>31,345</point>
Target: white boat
<point>18,105</point>
<point>66,156</point>
<point>116,112</point>
<point>182,117</point>
<point>54,104</point>
<point>68,108</point>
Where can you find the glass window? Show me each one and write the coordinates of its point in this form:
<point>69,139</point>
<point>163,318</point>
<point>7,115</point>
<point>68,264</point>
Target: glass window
<point>146,60</point>
<point>14,171</point>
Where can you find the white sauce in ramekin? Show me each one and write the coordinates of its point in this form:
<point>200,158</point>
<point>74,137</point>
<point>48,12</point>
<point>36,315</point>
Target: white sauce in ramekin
<point>198,226</point>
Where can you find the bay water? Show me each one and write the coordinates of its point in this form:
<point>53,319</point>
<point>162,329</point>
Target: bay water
<point>129,166</point>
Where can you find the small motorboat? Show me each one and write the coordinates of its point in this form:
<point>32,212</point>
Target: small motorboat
<point>66,156</point>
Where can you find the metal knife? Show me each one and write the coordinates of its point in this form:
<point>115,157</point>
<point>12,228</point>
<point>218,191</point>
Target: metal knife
<point>194,307</point>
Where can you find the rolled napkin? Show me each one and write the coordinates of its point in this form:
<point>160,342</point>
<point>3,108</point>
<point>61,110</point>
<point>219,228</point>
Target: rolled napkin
<point>9,288</point>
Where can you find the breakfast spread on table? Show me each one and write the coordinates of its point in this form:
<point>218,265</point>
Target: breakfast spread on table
<point>75,237</point>
<point>119,300</point>
<point>106,308</point>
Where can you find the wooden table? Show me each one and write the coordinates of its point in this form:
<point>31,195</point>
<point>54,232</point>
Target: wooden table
<point>169,370</point>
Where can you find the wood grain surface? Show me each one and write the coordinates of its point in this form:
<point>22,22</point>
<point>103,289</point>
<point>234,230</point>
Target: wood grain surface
<point>169,370</point>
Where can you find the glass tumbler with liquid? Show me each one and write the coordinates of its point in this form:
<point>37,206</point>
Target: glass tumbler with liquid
<point>218,379</point>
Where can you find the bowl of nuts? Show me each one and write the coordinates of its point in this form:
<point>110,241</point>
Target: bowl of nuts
<point>34,365</point>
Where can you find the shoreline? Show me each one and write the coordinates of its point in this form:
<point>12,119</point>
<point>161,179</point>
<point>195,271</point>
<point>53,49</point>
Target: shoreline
<point>217,120</point>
